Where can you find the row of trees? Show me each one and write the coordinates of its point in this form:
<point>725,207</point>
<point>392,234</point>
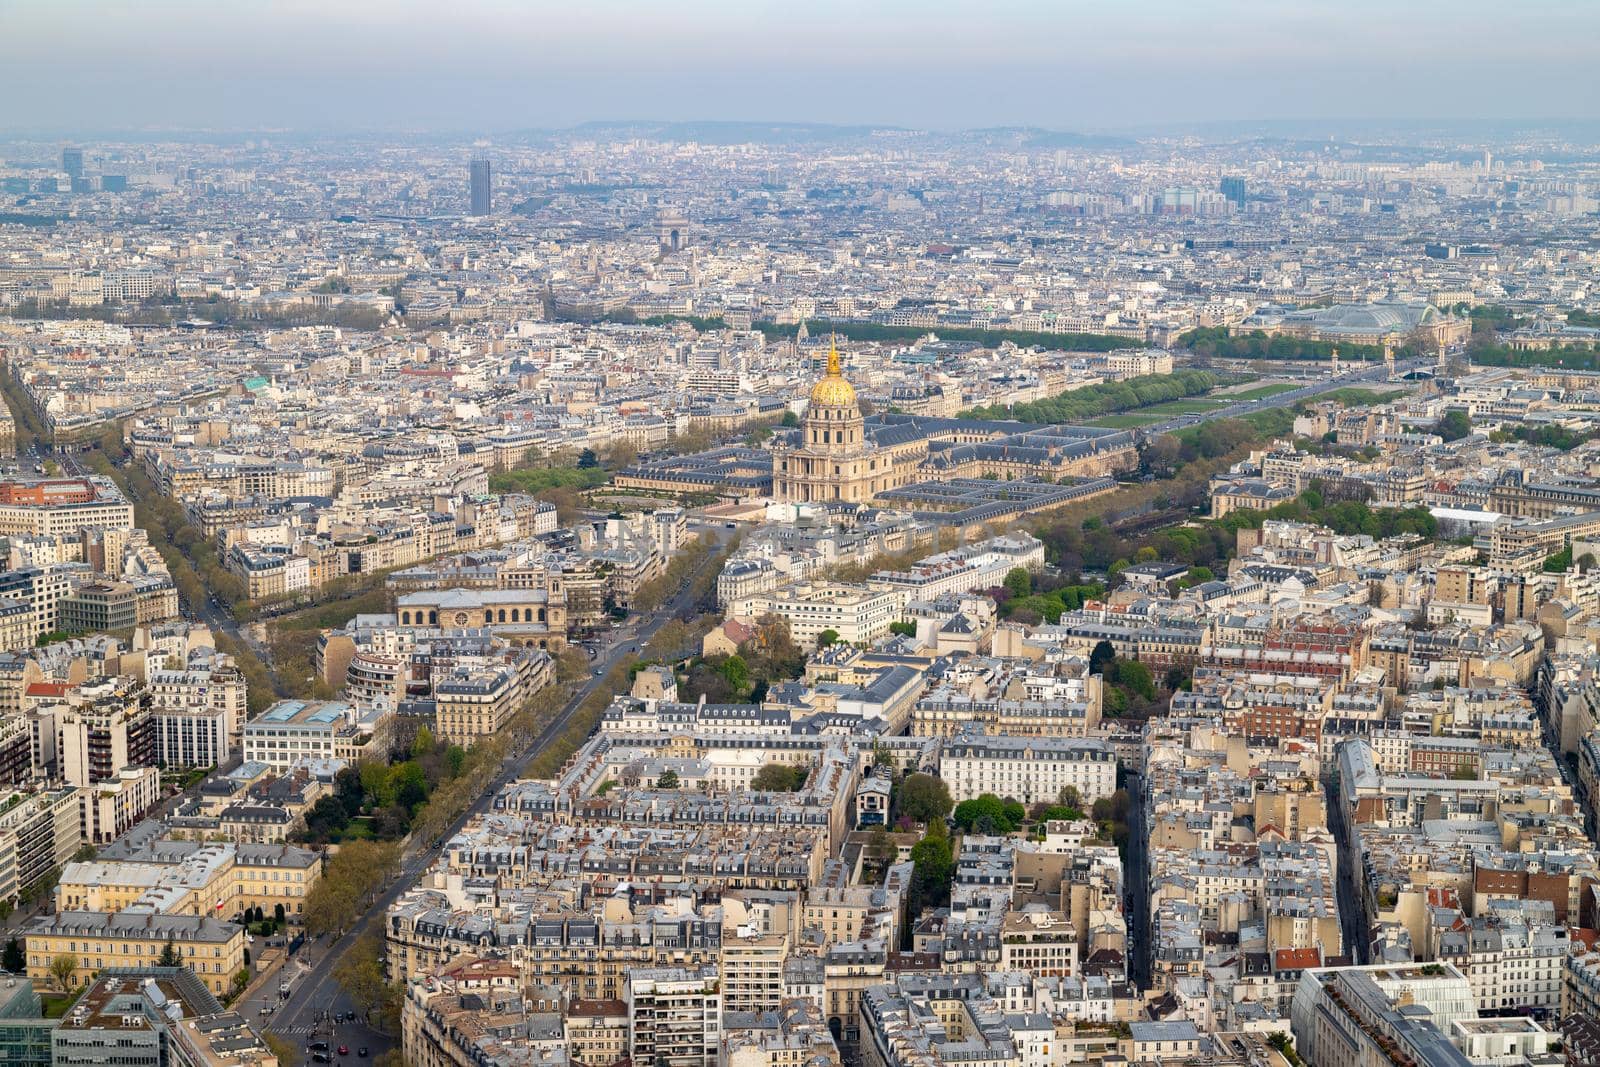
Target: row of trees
<point>1089,544</point>
<point>1215,342</point>
<point>872,331</point>
<point>685,563</point>
<point>350,881</point>
<point>1169,454</point>
<point>166,310</point>
<point>360,972</point>
<point>1089,402</point>
<point>190,556</point>
<point>1342,517</point>
<point>1557,437</point>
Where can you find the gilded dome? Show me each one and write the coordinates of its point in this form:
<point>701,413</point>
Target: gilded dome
<point>832,391</point>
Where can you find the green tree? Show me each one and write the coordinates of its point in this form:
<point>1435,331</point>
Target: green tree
<point>1454,426</point>
<point>359,973</point>
<point>1134,676</point>
<point>988,814</point>
<point>1014,812</point>
<point>668,780</point>
<point>62,969</point>
<point>903,629</point>
<point>1100,657</point>
<point>587,460</point>
<point>779,778</point>
<point>170,956</point>
<point>737,672</point>
<point>375,781</point>
<point>1019,582</point>
<point>827,638</point>
<point>790,419</point>
<point>13,960</point>
<point>1558,562</point>
<point>932,866</point>
<point>1055,812</point>
<point>924,798</point>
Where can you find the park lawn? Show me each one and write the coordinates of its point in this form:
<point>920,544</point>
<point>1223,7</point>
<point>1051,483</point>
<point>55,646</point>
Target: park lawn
<point>55,1005</point>
<point>1355,396</point>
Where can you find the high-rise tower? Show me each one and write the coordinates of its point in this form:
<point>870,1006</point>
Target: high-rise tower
<point>482,188</point>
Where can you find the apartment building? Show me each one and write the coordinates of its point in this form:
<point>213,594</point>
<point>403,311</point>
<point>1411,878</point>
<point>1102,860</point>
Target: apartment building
<point>54,507</point>
<point>1027,769</point>
<point>103,727</point>
<point>478,698</point>
<point>145,1014</point>
<point>199,714</point>
<point>111,807</point>
<point>674,1016</point>
<point>38,833</point>
<point>100,607</point>
<point>857,614</point>
<point>962,570</point>
<point>795,1035</point>
<point>751,967</point>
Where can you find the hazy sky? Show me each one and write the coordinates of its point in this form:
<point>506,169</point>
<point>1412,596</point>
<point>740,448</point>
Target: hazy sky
<point>481,66</point>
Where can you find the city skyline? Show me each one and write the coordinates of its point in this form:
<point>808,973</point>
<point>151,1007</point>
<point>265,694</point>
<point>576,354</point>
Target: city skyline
<point>494,66</point>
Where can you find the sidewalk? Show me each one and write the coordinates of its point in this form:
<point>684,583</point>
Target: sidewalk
<point>266,968</point>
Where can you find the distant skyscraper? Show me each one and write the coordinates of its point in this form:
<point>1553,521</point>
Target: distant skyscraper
<point>72,162</point>
<point>1233,191</point>
<point>482,188</point>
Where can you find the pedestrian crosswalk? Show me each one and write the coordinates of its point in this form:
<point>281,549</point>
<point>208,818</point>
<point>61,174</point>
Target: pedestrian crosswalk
<point>292,1030</point>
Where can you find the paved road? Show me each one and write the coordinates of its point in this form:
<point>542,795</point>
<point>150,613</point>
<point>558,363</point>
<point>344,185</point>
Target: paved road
<point>1373,374</point>
<point>1353,924</point>
<point>1138,885</point>
<point>313,989</point>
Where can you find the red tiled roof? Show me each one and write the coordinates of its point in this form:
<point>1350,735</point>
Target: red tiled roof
<point>1296,959</point>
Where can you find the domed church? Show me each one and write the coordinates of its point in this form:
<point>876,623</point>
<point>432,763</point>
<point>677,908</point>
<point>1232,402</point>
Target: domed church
<point>833,458</point>
<point>836,456</point>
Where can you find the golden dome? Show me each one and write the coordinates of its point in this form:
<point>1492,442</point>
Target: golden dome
<point>832,391</point>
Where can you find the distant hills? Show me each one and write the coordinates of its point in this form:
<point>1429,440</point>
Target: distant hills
<point>820,133</point>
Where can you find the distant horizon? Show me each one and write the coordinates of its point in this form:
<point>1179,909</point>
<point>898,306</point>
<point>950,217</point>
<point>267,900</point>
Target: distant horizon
<point>506,65</point>
<point>1337,128</point>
